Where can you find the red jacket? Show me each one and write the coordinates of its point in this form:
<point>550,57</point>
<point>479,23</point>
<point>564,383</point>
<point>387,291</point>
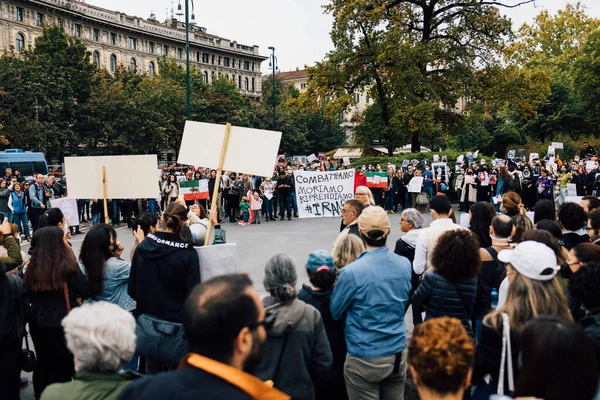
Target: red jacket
<point>360,180</point>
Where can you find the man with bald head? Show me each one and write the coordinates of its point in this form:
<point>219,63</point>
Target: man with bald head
<point>491,270</point>
<point>226,327</point>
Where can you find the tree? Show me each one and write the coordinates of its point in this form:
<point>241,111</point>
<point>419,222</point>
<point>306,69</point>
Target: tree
<point>586,79</point>
<point>414,56</point>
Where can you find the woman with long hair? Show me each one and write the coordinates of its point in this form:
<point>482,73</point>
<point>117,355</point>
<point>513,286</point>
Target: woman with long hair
<point>558,361</point>
<point>481,216</point>
<point>55,285</point>
<point>4,198</point>
<point>107,273</point>
<point>534,290</point>
<point>172,189</point>
<point>18,207</point>
<point>522,225</point>
<point>164,196</point>
<point>297,355</point>
<point>164,270</point>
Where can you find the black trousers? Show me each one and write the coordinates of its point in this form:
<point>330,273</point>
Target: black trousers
<point>54,360</point>
<point>36,213</point>
<point>9,371</point>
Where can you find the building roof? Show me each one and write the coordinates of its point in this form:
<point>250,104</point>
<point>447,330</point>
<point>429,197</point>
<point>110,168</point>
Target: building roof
<point>292,75</point>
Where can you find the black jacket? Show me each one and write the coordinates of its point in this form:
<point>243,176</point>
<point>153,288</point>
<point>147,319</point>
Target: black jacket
<point>12,327</point>
<point>335,388</point>
<point>446,299</point>
<point>488,354</point>
<point>164,270</point>
<point>49,308</point>
<point>188,384</point>
<point>571,239</point>
<point>591,324</point>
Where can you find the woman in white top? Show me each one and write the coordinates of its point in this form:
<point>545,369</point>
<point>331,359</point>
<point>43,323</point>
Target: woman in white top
<point>266,192</point>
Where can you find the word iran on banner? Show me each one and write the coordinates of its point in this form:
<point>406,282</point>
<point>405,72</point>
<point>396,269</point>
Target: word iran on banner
<point>377,179</point>
<point>194,190</point>
<point>322,194</point>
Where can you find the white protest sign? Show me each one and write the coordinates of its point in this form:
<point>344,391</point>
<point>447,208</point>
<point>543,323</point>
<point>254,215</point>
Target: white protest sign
<point>557,145</point>
<point>533,156</point>
<point>440,169</point>
<point>127,177</point>
<point>346,161</point>
<point>573,199</point>
<point>460,159</point>
<point>311,158</point>
<point>414,186</point>
<point>216,260</point>
<point>590,165</point>
<point>550,150</point>
<point>571,189</point>
<point>250,151</point>
<point>476,154</point>
<point>68,206</point>
<point>322,193</point>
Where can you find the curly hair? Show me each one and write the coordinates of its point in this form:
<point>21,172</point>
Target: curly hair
<point>585,284</point>
<point>456,255</point>
<point>441,353</point>
<point>572,216</point>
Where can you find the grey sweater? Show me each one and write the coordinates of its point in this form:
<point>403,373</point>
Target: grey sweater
<point>306,358</point>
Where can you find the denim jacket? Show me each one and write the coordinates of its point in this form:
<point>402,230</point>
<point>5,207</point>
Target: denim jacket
<point>114,287</point>
<point>36,195</point>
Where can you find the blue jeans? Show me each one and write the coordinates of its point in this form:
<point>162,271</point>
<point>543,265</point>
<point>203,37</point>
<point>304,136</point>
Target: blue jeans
<point>8,214</point>
<point>152,205</point>
<point>429,191</point>
<point>95,219</point>
<point>389,200</point>
<point>19,219</point>
<point>269,206</point>
<point>115,212</point>
<point>246,216</point>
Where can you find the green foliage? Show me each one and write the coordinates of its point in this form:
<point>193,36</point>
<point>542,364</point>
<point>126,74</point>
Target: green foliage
<point>586,79</point>
<point>398,160</point>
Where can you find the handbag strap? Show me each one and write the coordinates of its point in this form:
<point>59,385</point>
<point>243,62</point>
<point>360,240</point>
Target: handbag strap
<point>66,293</point>
<point>468,318</point>
<point>506,358</point>
<point>283,345</point>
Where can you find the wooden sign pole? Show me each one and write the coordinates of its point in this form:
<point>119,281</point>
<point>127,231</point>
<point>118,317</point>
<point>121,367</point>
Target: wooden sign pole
<point>104,191</point>
<point>215,194</point>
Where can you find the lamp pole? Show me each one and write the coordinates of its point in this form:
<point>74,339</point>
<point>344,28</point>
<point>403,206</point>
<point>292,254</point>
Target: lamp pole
<point>273,63</point>
<point>188,91</point>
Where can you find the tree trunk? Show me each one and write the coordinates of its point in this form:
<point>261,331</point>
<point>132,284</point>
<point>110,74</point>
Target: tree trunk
<point>390,151</point>
<point>415,144</point>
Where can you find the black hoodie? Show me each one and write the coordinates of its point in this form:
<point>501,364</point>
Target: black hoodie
<point>164,271</point>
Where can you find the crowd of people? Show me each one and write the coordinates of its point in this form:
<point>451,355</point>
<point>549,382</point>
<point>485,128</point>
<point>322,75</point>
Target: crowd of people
<point>503,301</point>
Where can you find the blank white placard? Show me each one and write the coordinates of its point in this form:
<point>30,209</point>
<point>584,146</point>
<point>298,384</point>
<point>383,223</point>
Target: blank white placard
<point>127,177</point>
<point>250,151</point>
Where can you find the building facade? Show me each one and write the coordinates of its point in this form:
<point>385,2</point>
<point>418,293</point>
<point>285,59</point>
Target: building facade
<point>114,39</point>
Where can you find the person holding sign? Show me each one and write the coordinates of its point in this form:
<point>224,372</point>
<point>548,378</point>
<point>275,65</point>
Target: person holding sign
<point>545,186</point>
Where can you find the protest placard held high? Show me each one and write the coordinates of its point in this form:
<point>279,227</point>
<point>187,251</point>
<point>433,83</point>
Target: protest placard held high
<point>322,194</point>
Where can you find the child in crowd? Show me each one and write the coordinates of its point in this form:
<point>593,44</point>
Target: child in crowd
<point>245,209</point>
<point>257,204</point>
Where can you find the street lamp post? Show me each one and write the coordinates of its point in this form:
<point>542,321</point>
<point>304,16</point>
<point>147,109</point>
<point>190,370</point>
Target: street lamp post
<point>188,90</point>
<point>273,63</point>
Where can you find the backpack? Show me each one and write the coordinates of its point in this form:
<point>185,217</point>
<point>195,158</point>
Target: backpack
<point>513,184</point>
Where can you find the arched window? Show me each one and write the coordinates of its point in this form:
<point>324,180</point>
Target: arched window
<point>96,59</point>
<point>20,43</point>
<point>133,64</point>
<point>205,76</point>
<point>113,63</point>
<point>151,68</point>
<point>246,86</point>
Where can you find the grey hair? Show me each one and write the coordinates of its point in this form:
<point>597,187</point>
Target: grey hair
<point>413,216</point>
<point>280,278</point>
<point>100,335</point>
<point>346,250</point>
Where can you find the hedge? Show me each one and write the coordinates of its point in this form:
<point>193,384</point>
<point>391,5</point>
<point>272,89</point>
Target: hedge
<point>398,160</point>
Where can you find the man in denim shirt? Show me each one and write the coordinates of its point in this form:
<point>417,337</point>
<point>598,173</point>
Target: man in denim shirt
<point>371,294</point>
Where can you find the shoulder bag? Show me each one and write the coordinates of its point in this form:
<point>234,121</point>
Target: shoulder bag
<point>160,339</point>
<point>422,199</point>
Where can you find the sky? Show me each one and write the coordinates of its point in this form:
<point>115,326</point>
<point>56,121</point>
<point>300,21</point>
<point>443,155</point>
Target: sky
<point>297,29</point>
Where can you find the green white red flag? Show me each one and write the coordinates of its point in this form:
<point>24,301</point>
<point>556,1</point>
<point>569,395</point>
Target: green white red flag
<point>377,179</point>
<point>194,190</point>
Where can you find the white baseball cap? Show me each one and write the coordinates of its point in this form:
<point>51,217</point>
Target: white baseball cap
<point>532,259</point>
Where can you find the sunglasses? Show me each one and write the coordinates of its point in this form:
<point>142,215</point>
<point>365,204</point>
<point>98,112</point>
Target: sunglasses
<point>267,322</point>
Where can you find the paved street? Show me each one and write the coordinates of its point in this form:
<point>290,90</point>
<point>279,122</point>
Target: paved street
<point>256,243</point>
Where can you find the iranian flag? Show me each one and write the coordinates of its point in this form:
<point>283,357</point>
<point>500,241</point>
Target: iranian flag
<point>377,179</point>
<point>194,190</point>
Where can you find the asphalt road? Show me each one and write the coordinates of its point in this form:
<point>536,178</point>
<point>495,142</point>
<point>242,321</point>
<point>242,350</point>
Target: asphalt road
<point>256,243</point>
